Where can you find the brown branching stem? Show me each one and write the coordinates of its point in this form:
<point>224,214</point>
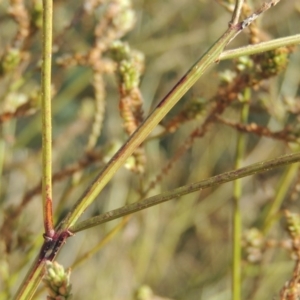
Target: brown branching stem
<point>284,135</point>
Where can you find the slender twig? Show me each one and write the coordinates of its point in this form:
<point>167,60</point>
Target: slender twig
<point>285,134</point>
<point>33,278</point>
<point>236,217</point>
<point>265,6</point>
<point>187,189</point>
<point>46,118</point>
<point>237,11</point>
<point>261,47</point>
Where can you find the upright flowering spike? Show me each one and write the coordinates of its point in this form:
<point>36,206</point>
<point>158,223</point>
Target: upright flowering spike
<point>57,281</point>
<point>130,64</point>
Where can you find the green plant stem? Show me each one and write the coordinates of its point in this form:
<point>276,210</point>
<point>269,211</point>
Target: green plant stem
<point>33,278</point>
<point>187,189</point>
<point>261,47</point>
<point>236,280</point>
<point>46,118</point>
<point>149,124</point>
<point>237,11</point>
<point>35,274</point>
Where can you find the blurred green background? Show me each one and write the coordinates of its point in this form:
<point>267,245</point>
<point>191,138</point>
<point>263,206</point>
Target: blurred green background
<point>182,248</point>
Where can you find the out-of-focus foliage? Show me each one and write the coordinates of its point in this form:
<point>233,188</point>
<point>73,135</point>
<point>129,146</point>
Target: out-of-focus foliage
<point>113,61</point>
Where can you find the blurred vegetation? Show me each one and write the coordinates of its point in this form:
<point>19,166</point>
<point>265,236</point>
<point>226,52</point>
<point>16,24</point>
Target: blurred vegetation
<point>102,89</point>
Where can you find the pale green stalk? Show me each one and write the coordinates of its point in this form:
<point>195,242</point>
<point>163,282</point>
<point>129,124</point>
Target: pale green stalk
<point>237,11</point>
<point>46,118</point>
<point>237,218</point>
<point>35,274</point>
<point>32,281</point>
<point>261,47</point>
<point>187,189</point>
